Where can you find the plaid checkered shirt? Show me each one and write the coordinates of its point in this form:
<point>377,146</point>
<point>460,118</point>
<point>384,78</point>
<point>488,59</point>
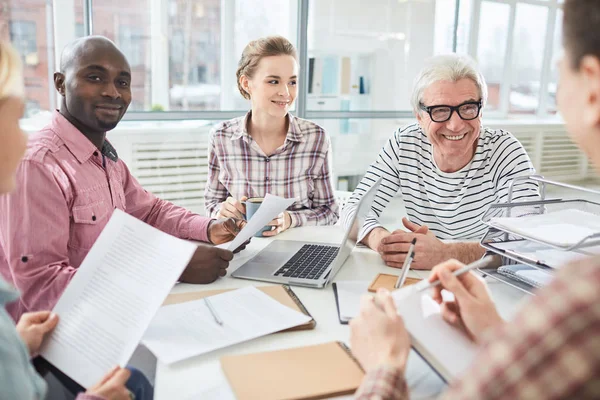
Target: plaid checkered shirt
<point>298,169</point>
<point>550,350</point>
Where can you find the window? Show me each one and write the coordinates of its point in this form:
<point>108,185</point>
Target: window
<point>556,53</point>
<point>357,64</point>
<point>182,57</point>
<point>526,67</point>
<point>133,44</point>
<point>23,37</point>
<point>514,49</point>
<point>491,49</point>
<point>25,25</point>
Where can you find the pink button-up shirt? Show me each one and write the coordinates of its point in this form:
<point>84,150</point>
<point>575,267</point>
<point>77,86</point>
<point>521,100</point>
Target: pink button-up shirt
<point>66,192</point>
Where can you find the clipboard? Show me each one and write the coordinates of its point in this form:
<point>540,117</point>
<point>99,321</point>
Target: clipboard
<point>282,293</point>
<point>303,373</point>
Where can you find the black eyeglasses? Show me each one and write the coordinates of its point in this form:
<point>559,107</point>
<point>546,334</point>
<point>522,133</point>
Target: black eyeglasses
<point>466,111</point>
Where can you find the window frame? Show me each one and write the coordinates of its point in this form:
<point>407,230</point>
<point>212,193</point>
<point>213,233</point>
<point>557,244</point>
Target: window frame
<point>553,6</point>
<point>63,19</point>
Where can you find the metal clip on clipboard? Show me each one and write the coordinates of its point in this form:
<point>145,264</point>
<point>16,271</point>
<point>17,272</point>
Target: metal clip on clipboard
<point>496,238</point>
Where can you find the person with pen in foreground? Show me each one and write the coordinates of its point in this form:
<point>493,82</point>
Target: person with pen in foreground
<point>551,348</point>
<point>18,379</point>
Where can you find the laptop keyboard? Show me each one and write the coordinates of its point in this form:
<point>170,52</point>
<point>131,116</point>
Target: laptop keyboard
<point>309,262</point>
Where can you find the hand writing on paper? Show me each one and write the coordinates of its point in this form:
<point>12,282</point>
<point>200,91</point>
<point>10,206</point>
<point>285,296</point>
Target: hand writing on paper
<point>34,326</point>
<point>224,230</point>
<point>473,310</point>
<point>429,250</point>
<point>232,208</point>
<point>377,335</point>
<point>112,386</point>
<point>207,264</point>
<point>279,224</point>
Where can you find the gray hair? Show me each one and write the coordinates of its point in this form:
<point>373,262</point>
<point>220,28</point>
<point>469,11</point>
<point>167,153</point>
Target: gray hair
<point>449,67</point>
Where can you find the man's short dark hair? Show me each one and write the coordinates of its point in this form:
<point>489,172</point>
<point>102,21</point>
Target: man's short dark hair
<point>581,22</point>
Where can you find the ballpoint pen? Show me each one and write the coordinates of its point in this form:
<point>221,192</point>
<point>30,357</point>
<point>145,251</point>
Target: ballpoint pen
<point>406,266</point>
<point>213,312</point>
<point>481,263</point>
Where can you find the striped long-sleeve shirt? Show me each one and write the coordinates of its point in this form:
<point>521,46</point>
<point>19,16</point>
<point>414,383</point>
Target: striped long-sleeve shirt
<point>450,204</point>
<point>299,169</point>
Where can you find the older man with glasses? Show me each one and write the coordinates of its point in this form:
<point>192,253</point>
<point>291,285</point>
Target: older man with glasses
<point>446,167</point>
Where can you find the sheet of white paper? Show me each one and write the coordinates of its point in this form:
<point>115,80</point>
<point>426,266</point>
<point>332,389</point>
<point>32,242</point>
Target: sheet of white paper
<point>349,294</point>
<point>185,330</point>
<point>448,350</point>
<point>560,228</point>
<point>270,208</point>
<point>113,297</point>
<point>218,389</point>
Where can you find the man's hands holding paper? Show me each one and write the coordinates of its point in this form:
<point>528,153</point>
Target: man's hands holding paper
<point>112,386</point>
<point>378,336</point>
<point>207,264</point>
<point>473,310</point>
<point>34,326</point>
<point>429,250</point>
<point>224,230</point>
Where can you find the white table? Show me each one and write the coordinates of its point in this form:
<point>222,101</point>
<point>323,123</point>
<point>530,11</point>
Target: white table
<point>187,379</point>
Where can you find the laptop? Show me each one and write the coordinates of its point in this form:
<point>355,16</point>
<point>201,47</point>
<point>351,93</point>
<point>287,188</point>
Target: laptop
<point>307,264</point>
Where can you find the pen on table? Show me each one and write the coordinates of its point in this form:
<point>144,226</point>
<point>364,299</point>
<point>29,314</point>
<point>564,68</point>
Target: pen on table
<point>482,263</point>
<point>213,312</point>
<point>406,266</point>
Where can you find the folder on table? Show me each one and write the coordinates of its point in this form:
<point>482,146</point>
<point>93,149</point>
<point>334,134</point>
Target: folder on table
<point>311,372</point>
<point>282,293</point>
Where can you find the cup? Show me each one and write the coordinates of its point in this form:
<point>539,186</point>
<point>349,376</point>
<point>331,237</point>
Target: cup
<point>253,204</point>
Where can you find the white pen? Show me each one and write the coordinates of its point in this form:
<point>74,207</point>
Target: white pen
<point>482,263</point>
<point>213,312</point>
<point>406,266</point>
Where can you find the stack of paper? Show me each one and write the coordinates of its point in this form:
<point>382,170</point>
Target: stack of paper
<point>562,228</point>
<point>185,330</point>
<point>532,252</point>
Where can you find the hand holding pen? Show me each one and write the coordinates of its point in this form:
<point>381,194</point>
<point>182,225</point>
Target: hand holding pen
<point>473,309</point>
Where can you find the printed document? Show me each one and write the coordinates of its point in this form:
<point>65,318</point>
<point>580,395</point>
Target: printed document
<point>185,330</point>
<point>114,295</point>
<point>270,208</point>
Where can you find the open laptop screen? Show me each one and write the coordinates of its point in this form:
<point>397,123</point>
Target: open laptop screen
<point>363,209</point>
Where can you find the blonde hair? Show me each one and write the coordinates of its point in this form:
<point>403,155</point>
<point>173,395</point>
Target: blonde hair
<point>257,50</point>
<point>11,72</point>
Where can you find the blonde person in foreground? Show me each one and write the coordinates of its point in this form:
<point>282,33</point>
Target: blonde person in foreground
<point>551,349</point>
<point>18,378</point>
<point>269,150</point>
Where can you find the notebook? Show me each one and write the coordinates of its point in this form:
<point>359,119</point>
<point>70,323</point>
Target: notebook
<point>529,275</point>
<point>311,372</point>
<point>282,293</point>
<point>447,349</point>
